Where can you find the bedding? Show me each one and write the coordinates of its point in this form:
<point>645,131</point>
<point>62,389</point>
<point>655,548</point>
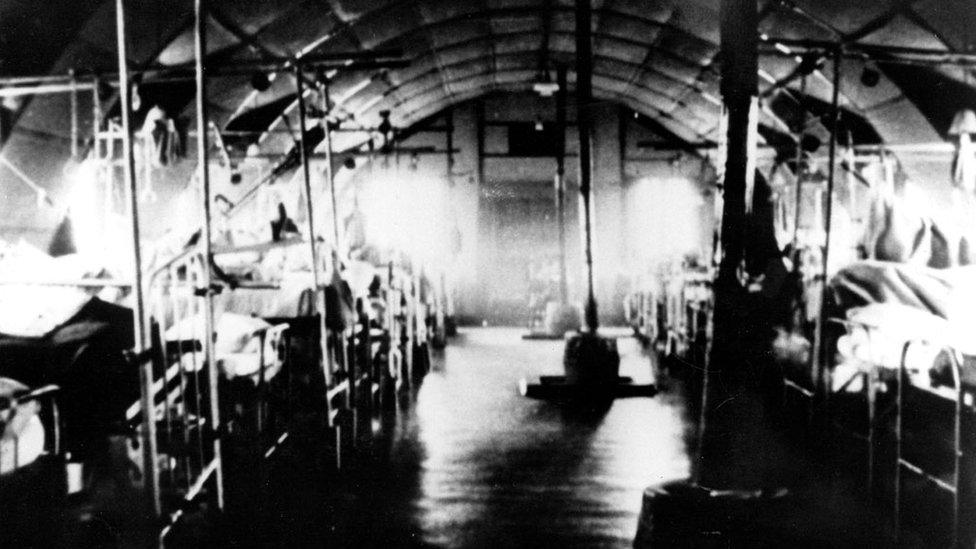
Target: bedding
<point>901,302</point>
<point>85,357</point>
<point>238,346</point>
<point>946,293</point>
<point>283,301</point>
<point>21,430</point>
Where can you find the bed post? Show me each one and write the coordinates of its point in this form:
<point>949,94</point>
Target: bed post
<point>200,47</point>
<point>150,450</point>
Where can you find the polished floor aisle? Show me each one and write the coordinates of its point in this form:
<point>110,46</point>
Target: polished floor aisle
<point>495,467</point>
<point>468,462</point>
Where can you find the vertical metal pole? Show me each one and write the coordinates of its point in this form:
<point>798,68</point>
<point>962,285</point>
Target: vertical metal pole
<point>799,170</point>
<point>312,240</point>
<point>150,450</point>
<point>341,347</point>
<point>74,115</point>
<point>329,168</point>
<point>561,179</point>
<point>96,110</point>
<point>449,136</point>
<point>203,165</point>
<point>584,123</point>
<point>480,137</point>
<point>818,342</point>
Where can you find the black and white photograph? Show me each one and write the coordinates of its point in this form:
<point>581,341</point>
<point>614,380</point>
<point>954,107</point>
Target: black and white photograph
<point>420,274</point>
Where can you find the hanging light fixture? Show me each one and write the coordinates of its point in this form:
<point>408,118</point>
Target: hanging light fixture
<point>260,81</point>
<point>964,164</point>
<point>964,122</point>
<point>870,77</point>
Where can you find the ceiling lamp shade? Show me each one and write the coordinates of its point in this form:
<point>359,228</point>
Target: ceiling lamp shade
<point>964,122</point>
<point>545,89</point>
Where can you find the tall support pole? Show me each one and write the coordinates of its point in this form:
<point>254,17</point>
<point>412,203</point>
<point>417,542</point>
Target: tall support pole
<point>561,179</point>
<point>800,166</point>
<point>312,239</point>
<point>330,180</point>
<point>74,115</point>
<point>584,122</point>
<point>479,108</point>
<point>203,167</point>
<point>828,210</point>
<point>150,450</point>
<point>724,371</point>
<point>329,167</point>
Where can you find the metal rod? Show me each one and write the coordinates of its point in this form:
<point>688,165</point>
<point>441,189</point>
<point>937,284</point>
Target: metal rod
<point>828,213</point>
<point>150,450</point>
<point>41,192</point>
<point>799,167</point>
<point>329,168</point>
<point>480,138</point>
<point>851,48</point>
<point>350,59</point>
<point>203,165</point>
<point>584,122</point>
<point>313,244</point>
<point>44,89</point>
<point>561,93</point>
<point>96,112</point>
<point>74,116</point>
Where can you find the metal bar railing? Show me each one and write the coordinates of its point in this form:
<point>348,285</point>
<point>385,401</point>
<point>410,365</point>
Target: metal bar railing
<point>952,486</point>
<point>872,381</point>
<point>183,390</point>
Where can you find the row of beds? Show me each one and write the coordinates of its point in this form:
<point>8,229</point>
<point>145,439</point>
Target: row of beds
<point>896,387</point>
<point>673,313</point>
<point>74,393</point>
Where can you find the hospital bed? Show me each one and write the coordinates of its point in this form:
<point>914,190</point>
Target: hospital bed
<point>901,378</point>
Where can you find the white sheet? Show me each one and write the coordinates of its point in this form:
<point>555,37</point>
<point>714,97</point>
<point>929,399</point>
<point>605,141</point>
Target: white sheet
<point>33,311</point>
<point>891,325</point>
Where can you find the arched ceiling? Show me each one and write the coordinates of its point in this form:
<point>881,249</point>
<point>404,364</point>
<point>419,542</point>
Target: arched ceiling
<point>657,57</point>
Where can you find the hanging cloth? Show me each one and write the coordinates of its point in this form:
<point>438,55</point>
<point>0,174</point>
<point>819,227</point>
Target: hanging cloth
<point>63,241</point>
<point>964,164</point>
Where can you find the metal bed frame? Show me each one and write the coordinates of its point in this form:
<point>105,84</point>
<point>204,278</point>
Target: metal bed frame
<point>178,417</point>
<point>180,407</point>
<point>879,412</point>
<point>52,458</point>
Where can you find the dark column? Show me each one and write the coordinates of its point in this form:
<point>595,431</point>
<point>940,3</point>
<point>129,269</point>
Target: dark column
<point>722,430</point>
<point>584,122</point>
<point>561,179</point>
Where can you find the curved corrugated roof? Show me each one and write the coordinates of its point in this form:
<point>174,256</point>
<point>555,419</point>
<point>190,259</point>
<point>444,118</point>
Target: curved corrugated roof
<point>657,57</point>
